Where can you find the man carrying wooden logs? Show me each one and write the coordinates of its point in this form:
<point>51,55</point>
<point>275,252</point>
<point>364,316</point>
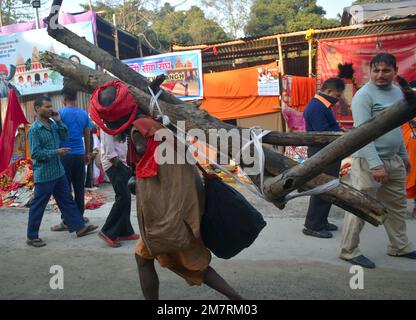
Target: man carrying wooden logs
<point>379,169</point>
<point>170,201</point>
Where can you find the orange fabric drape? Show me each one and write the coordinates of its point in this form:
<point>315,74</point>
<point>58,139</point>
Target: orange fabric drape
<point>238,108</point>
<point>303,90</point>
<point>411,150</point>
<point>234,94</point>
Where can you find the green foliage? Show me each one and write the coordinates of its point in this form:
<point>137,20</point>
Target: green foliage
<point>162,26</point>
<point>232,15</point>
<point>279,16</point>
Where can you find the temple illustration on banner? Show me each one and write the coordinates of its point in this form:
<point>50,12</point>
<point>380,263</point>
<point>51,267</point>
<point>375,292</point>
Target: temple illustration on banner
<point>189,71</point>
<point>31,73</point>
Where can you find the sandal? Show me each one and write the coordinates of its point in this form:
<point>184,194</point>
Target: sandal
<point>113,243</point>
<point>130,237</point>
<point>37,243</point>
<point>86,230</point>
<point>60,227</point>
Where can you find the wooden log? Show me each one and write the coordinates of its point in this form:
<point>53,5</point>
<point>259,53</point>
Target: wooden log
<point>122,71</point>
<point>88,79</point>
<point>99,56</point>
<point>350,142</point>
<point>301,138</point>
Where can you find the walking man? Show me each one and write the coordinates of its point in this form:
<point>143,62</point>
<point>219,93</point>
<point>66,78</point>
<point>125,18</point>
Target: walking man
<point>77,122</point>
<point>319,117</point>
<point>379,169</point>
<point>49,174</point>
<point>117,227</point>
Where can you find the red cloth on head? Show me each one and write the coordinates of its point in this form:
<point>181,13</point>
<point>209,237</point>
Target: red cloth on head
<point>123,105</point>
<point>146,166</point>
<point>14,118</point>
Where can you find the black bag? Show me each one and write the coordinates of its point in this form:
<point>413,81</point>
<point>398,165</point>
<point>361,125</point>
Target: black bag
<point>230,223</point>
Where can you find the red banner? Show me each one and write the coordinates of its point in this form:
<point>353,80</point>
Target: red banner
<point>359,51</point>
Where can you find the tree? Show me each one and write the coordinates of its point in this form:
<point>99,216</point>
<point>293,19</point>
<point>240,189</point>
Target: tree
<point>160,26</point>
<point>186,27</point>
<point>231,15</point>
<point>15,11</point>
<point>279,16</point>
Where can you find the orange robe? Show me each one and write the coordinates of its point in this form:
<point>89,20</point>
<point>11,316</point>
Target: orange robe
<point>411,150</point>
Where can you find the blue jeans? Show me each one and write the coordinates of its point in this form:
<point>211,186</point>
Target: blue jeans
<point>74,165</point>
<point>59,188</point>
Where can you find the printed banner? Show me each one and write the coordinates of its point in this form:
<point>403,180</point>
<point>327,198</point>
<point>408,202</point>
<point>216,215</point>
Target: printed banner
<point>359,51</point>
<point>20,65</point>
<point>268,81</point>
<point>183,71</point>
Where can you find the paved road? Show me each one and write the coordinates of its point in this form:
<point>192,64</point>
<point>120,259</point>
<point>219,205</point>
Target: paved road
<point>282,264</point>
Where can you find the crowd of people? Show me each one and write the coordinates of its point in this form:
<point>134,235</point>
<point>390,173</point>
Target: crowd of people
<point>170,198</point>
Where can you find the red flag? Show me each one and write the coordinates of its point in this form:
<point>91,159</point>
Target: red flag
<point>14,117</point>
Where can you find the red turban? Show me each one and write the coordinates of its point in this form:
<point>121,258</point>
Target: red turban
<point>123,105</point>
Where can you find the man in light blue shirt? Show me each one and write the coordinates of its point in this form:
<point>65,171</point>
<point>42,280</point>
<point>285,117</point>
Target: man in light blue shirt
<point>77,122</point>
<point>379,169</point>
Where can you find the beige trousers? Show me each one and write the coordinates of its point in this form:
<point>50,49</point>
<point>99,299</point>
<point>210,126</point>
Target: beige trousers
<point>391,193</point>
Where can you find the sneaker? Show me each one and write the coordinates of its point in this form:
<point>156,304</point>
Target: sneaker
<point>331,227</point>
<point>318,234</point>
<point>362,261</point>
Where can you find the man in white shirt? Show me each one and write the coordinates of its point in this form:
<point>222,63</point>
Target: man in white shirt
<point>113,158</point>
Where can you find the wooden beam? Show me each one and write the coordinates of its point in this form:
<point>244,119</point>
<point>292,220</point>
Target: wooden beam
<point>350,142</point>
<point>344,196</point>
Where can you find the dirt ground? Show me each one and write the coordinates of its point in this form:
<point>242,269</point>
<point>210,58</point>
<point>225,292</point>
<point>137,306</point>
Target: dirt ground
<point>282,263</point>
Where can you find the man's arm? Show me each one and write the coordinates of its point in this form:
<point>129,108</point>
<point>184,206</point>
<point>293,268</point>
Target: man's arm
<point>62,128</point>
<point>361,112</point>
<point>318,119</point>
<point>37,150</point>
<point>108,150</point>
<point>87,144</point>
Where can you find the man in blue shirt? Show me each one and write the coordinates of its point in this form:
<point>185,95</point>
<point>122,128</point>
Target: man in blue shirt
<point>77,122</point>
<point>319,117</point>
<point>49,174</point>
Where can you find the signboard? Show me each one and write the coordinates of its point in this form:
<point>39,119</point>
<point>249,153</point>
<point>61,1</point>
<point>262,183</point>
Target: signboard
<point>19,59</point>
<point>183,71</point>
<point>268,81</point>
<point>359,51</point>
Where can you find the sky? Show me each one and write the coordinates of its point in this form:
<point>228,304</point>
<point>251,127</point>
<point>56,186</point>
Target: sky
<point>332,7</point>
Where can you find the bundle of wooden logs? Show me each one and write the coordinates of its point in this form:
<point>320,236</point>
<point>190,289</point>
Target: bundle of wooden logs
<point>282,175</point>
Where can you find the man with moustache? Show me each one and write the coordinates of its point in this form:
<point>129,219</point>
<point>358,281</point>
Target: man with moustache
<point>379,169</point>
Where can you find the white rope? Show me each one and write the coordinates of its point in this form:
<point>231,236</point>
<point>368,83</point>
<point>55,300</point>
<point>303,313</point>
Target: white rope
<point>315,191</point>
<point>236,178</point>
<point>154,102</point>
<point>255,139</point>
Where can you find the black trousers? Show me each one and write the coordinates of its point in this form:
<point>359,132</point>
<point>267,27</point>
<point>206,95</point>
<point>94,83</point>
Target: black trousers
<point>317,216</point>
<point>74,165</point>
<point>118,221</point>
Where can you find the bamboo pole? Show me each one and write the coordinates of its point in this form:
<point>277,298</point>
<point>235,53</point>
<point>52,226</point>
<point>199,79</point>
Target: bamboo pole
<point>281,62</point>
<point>310,42</point>
<point>116,37</point>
